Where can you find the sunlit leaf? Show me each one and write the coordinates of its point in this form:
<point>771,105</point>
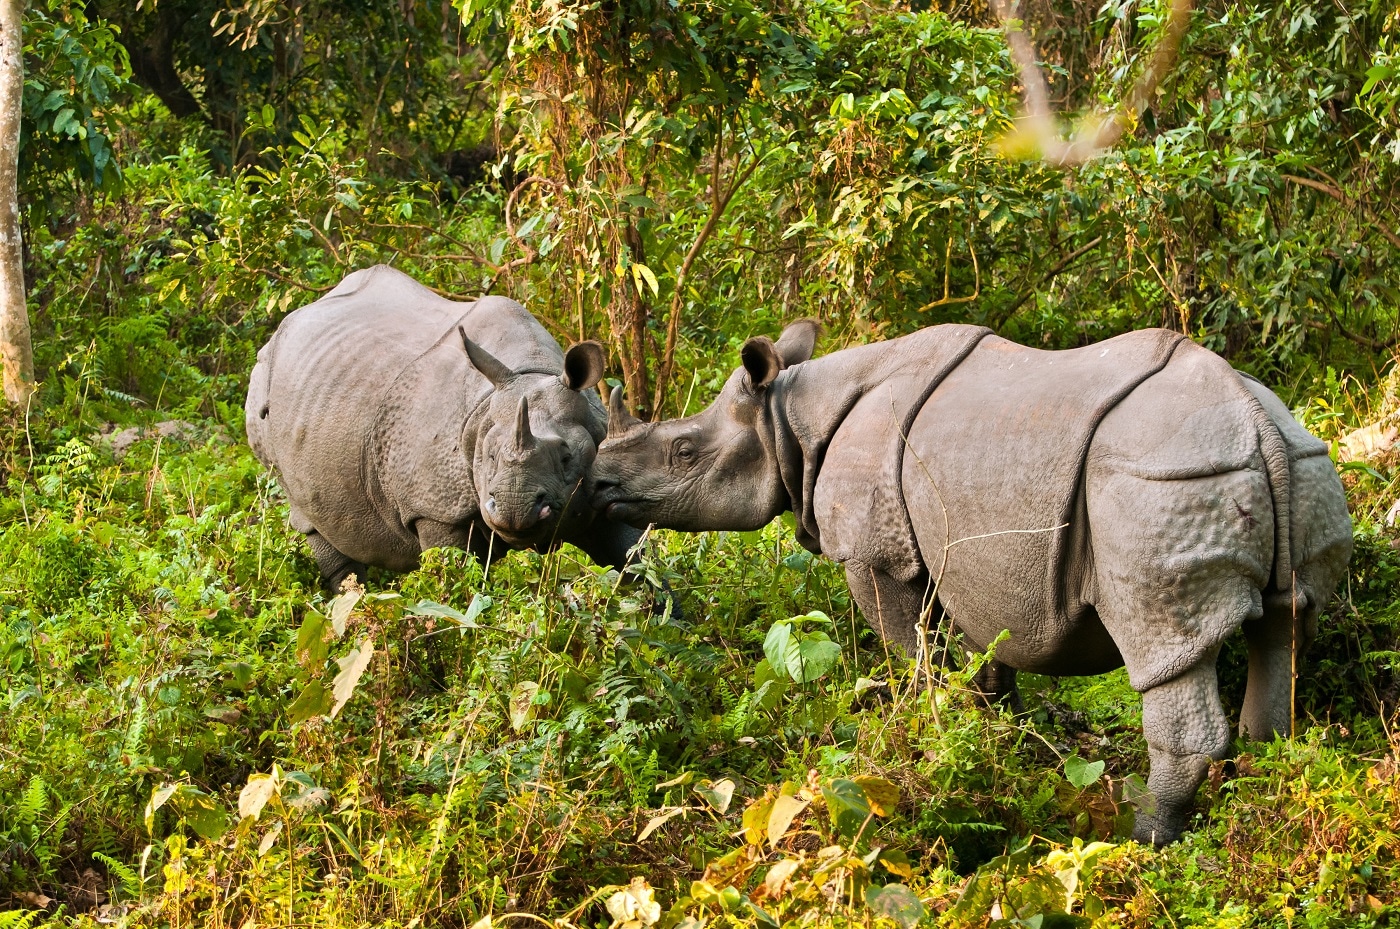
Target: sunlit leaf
<point>1082,773</point>
<point>352,667</point>
<point>522,704</point>
<point>785,810</point>
<point>718,795</point>
<point>896,902</point>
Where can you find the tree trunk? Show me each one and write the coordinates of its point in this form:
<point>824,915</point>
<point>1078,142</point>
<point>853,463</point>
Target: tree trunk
<point>16,354</point>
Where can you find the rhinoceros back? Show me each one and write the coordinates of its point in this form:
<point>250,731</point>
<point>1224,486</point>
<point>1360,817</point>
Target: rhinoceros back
<point>318,392</point>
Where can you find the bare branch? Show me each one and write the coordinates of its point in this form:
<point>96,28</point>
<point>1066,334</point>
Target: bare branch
<point>1336,193</point>
<point>1038,130</point>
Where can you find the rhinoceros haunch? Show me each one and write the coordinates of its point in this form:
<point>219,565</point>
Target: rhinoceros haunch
<point>1132,502</point>
<point>398,420</point>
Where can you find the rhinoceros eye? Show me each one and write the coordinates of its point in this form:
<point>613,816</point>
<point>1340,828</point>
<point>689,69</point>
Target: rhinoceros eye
<point>683,452</point>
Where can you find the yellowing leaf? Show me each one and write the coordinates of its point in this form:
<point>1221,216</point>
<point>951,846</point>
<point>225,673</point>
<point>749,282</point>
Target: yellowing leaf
<point>785,810</point>
<point>777,881</point>
<point>659,820</point>
<point>881,794</point>
<point>522,704</point>
<point>341,608</point>
<point>756,820</point>
<point>255,794</point>
<point>352,668</point>
<point>640,273</point>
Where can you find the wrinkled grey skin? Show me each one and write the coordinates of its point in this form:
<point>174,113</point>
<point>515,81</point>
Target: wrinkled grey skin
<point>397,421</point>
<point>1129,503</point>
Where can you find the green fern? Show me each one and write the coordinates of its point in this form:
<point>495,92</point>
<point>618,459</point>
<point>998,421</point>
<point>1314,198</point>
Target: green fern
<point>33,803</point>
<point>18,919</point>
<point>130,881</point>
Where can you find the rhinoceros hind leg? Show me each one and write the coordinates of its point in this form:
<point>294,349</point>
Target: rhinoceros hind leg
<point>893,608</point>
<point>335,565</point>
<point>995,683</point>
<point>1268,696</point>
<point>1185,729</point>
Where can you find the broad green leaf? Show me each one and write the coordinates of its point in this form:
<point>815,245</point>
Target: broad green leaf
<point>847,806</point>
<point>352,667</point>
<point>480,604</point>
<point>442,611</point>
<point>206,815</point>
<point>814,655</point>
<point>315,700</point>
<point>1082,773</point>
<point>775,647</point>
<point>311,640</point>
<point>896,902</point>
<point>242,673</point>
<point>718,795</point>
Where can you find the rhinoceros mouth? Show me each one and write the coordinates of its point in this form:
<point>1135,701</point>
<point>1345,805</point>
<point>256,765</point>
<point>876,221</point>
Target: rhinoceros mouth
<point>523,524</point>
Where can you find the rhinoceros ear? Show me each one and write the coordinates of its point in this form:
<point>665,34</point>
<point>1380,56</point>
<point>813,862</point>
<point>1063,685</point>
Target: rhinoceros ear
<point>798,341</point>
<point>619,419</point>
<point>583,366</point>
<point>761,361</point>
<point>485,362</point>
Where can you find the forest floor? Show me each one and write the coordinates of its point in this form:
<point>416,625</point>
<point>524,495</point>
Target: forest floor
<point>195,736</point>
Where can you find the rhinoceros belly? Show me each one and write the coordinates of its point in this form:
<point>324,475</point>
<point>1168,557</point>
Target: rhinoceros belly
<point>993,482</point>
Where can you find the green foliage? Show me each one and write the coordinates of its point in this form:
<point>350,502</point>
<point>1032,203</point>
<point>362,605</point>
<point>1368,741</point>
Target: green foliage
<point>192,724</point>
<point>74,70</point>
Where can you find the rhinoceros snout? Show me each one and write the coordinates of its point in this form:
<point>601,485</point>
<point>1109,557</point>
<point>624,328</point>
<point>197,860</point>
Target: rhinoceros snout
<point>517,513</point>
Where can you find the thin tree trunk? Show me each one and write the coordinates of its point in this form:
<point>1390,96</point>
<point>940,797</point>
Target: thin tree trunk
<point>16,354</point>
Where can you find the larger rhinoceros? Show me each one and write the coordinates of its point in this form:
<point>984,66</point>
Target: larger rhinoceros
<point>1128,503</point>
<point>398,420</point>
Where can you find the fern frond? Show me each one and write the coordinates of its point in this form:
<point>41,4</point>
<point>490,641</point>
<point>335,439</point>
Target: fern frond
<point>130,880</point>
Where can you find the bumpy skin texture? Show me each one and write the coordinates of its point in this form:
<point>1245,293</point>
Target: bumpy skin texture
<point>1133,502</point>
<point>397,421</point>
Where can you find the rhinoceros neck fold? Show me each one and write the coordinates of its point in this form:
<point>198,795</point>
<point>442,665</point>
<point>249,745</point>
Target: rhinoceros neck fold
<point>812,401</point>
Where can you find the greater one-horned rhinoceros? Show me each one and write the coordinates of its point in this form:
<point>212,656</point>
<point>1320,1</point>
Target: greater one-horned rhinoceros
<point>1129,503</point>
<point>398,421</point>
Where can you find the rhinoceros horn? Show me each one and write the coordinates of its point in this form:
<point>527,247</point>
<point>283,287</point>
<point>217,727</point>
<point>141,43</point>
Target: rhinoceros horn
<point>619,420</point>
<point>524,441</point>
<point>485,362</point>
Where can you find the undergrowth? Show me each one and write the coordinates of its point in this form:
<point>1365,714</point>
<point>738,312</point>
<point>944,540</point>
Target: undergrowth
<point>194,735</point>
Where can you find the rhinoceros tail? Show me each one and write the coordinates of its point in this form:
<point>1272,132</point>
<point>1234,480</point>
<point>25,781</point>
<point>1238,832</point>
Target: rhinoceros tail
<point>256,408</point>
<point>1276,465</point>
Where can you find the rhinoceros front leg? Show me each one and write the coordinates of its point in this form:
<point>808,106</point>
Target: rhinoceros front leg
<point>1186,729</point>
<point>893,608</point>
<point>609,543</point>
<point>335,565</point>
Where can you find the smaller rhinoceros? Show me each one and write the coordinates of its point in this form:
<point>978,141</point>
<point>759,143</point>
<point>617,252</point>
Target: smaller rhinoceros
<point>398,420</point>
<point>1131,502</point>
